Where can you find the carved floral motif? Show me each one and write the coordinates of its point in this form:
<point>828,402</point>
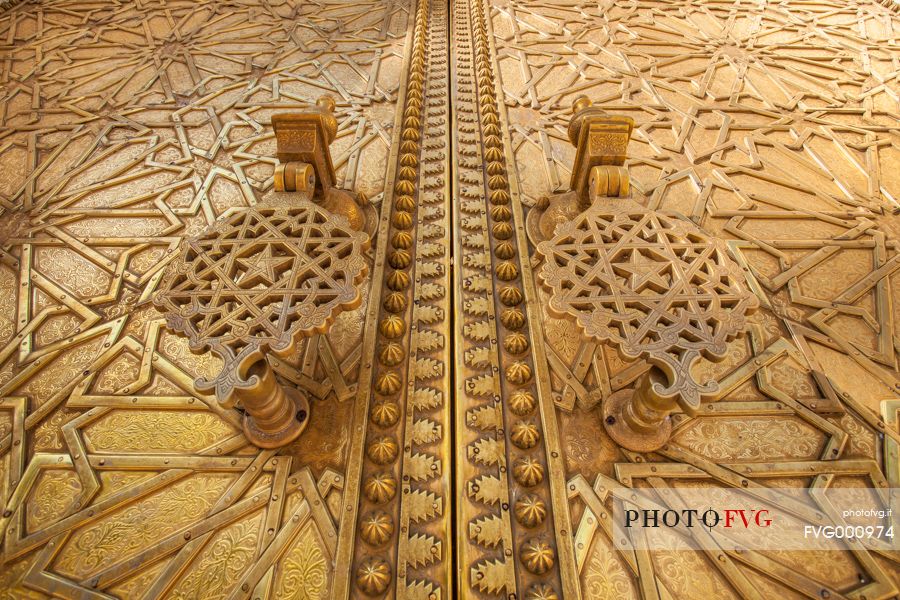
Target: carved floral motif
<point>304,572</point>
<point>221,563</point>
<point>752,439</point>
<point>139,525</point>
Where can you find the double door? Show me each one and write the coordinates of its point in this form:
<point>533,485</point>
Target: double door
<point>455,446</point>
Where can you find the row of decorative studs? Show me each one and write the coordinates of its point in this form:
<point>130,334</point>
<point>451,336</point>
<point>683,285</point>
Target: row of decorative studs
<point>422,498</point>
<point>535,553</point>
<point>487,488</point>
<point>376,527</point>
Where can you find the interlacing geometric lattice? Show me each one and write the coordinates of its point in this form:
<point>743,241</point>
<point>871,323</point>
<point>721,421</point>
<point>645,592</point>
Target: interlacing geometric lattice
<point>127,128</point>
<point>260,281</point>
<point>655,286</point>
<point>130,126</point>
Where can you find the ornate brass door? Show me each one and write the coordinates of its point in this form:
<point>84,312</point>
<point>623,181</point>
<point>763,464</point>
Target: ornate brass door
<point>456,443</point>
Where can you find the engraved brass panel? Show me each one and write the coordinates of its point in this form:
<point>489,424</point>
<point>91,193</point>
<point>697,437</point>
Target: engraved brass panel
<point>783,147</point>
<point>455,444</point>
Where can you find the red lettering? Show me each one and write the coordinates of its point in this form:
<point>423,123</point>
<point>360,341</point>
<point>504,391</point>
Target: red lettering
<point>729,517</point>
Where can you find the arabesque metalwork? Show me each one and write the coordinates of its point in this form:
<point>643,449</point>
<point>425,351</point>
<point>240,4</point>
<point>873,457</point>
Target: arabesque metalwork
<point>455,443</point>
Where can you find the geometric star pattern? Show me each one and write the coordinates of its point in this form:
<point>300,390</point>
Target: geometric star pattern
<point>654,286</point>
<point>260,281</point>
<point>125,129</point>
<point>774,127</point>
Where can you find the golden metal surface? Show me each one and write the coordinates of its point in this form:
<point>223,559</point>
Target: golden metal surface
<point>655,288</point>
<point>305,166</point>
<point>601,141</point>
<point>783,146</point>
<point>126,129</point>
<point>455,444</point>
<point>306,137</point>
<point>254,285</point>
